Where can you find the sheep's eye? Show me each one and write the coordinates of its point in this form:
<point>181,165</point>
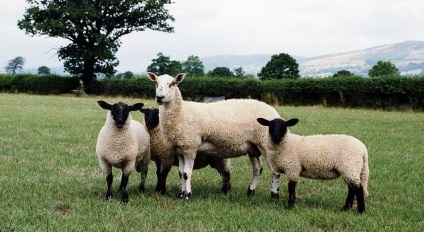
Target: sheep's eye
<point>172,84</point>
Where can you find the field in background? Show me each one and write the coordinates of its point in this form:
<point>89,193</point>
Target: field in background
<point>50,177</point>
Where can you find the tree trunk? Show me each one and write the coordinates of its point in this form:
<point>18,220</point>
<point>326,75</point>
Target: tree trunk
<point>88,77</point>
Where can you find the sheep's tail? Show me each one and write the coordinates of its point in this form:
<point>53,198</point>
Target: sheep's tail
<point>365,174</point>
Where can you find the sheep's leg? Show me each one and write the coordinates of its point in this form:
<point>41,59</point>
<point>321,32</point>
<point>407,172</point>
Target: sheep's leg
<point>123,187</point>
<point>275,190</point>
<point>257,171</point>
<point>223,167</point>
<point>292,193</point>
<point>186,175</point>
<point>109,180</point>
<point>162,174</point>
<point>226,185</point>
<point>180,173</point>
<point>349,200</point>
<point>144,168</point>
<point>360,201</point>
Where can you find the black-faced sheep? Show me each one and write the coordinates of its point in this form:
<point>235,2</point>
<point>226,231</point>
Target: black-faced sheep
<point>316,157</point>
<point>230,125</point>
<point>123,143</point>
<point>163,154</point>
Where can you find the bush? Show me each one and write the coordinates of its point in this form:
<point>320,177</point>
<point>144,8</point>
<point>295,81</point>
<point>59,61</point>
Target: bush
<point>389,92</point>
<point>29,83</point>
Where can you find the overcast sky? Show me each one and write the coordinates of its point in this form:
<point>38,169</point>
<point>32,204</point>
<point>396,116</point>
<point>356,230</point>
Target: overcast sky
<point>241,27</point>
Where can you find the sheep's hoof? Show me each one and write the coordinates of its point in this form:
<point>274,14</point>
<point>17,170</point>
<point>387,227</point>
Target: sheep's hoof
<point>226,189</point>
<point>124,197</point>
<point>290,205</point>
<point>142,188</point>
<point>108,195</point>
<point>275,195</point>
<point>250,192</point>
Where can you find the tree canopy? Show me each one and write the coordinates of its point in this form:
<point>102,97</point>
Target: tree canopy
<point>15,64</point>
<point>44,70</point>
<point>383,68</point>
<point>280,66</point>
<point>164,65</point>
<point>193,66</point>
<point>221,72</point>
<point>94,28</point>
<point>343,73</point>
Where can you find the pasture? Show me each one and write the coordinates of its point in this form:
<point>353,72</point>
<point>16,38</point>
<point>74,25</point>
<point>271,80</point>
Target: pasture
<point>51,180</point>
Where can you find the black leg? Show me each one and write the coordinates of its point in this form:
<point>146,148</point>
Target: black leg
<point>123,188</point>
<point>109,180</point>
<point>349,200</point>
<point>226,185</point>
<point>360,201</point>
<point>162,176</point>
<point>292,194</point>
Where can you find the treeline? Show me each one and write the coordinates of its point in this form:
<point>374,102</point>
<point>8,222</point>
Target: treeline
<point>388,92</point>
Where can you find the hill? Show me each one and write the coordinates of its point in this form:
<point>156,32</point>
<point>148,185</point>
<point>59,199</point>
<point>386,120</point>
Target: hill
<point>407,56</point>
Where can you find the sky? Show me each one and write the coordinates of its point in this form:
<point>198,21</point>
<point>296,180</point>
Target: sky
<point>307,28</point>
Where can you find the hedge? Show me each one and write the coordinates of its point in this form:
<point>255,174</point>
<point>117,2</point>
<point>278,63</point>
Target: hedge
<point>30,83</point>
<point>391,92</point>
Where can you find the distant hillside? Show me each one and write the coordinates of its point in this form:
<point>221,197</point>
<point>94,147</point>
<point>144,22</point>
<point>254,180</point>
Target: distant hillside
<point>407,56</point>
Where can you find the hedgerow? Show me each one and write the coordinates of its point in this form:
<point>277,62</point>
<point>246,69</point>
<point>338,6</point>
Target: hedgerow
<point>390,92</point>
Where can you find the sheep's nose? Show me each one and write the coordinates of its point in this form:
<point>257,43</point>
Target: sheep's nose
<point>159,99</point>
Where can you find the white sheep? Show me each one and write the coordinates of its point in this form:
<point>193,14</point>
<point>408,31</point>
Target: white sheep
<point>230,125</point>
<point>163,154</point>
<point>123,143</point>
<point>316,157</point>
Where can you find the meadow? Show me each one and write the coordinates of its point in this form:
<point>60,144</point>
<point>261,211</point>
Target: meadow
<point>51,180</point>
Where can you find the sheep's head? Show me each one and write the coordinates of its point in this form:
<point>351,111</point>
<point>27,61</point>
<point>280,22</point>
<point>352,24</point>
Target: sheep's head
<point>277,127</point>
<point>120,111</point>
<point>151,117</point>
<point>165,86</point>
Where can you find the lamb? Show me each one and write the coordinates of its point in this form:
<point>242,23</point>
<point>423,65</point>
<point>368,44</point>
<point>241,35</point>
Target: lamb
<point>316,157</point>
<point>191,127</point>
<point>123,143</point>
<point>163,154</point>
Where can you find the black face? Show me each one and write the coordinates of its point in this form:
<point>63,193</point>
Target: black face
<point>277,130</point>
<point>120,112</point>
<point>151,117</point>
<point>277,127</point>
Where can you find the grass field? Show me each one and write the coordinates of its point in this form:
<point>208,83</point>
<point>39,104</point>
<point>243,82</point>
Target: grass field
<point>51,180</point>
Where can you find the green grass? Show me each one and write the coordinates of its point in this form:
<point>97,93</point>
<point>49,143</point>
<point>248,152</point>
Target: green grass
<point>51,180</point>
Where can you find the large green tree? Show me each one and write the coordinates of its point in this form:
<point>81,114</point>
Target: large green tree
<point>383,68</point>
<point>94,28</point>
<point>280,66</point>
<point>193,66</point>
<point>164,65</point>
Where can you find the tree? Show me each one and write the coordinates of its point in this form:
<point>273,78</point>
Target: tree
<point>14,65</point>
<point>343,73</point>
<point>383,68</point>
<point>193,66</point>
<point>44,70</point>
<point>94,28</point>
<point>221,72</point>
<point>239,72</point>
<point>164,65</point>
<point>280,66</point>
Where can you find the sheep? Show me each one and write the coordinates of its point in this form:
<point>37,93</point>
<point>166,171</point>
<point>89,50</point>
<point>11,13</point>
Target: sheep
<point>316,157</point>
<point>123,143</point>
<point>163,154</point>
<point>230,125</point>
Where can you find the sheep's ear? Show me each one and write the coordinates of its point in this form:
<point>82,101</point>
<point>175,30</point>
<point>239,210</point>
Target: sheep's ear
<point>142,110</point>
<point>179,78</point>
<point>263,121</point>
<point>292,122</point>
<point>136,106</point>
<point>152,76</point>
<point>104,105</point>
